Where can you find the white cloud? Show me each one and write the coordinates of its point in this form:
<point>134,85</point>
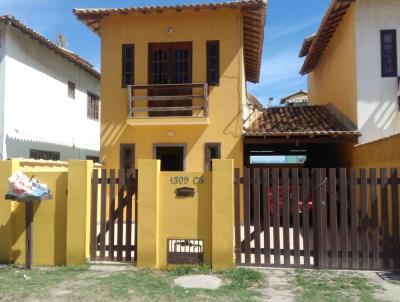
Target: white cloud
<point>279,31</point>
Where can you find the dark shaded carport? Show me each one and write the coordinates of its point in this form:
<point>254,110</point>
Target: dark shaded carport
<point>321,133</point>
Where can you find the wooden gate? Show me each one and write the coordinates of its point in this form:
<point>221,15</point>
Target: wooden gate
<point>323,218</point>
<point>113,229</point>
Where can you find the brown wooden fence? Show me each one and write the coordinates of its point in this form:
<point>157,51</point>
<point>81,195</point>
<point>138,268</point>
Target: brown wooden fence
<point>113,230</point>
<point>324,218</point>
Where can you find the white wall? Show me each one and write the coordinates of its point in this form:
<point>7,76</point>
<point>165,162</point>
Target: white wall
<point>38,108</point>
<point>378,112</point>
<point>2,86</point>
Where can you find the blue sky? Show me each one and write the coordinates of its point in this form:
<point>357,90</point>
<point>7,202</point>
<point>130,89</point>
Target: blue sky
<point>288,22</point>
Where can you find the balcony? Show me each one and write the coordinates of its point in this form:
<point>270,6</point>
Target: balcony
<point>168,104</point>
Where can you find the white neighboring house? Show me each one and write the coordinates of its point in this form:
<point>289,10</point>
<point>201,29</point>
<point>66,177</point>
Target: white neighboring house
<point>353,63</point>
<point>49,98</point>
<point>299,98</point>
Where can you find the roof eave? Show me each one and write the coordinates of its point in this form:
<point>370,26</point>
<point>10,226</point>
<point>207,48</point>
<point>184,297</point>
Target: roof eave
<point>332,19</point>
<point>254,14</point>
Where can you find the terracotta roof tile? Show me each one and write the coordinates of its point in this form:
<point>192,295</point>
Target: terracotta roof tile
<point>322,120</point>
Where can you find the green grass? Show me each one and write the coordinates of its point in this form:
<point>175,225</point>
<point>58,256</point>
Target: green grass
<point>332,286</point>
<point>18,284</point>
<point>79,284</point>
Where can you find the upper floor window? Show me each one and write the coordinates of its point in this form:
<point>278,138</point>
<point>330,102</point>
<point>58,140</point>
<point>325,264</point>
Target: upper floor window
<point>93,105</point>
<point>128,55</point>
<point>71,90</point>
<point>213,62</point>
<point>45,155</point>
<point>389,53</point>
<point>212,151</point>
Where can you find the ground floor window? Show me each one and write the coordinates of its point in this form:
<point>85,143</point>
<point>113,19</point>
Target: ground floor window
<point>172,157</point>
<point>95,159</point>
<point>212,151</point>
<point>127,156</point>
<point>45,155</point>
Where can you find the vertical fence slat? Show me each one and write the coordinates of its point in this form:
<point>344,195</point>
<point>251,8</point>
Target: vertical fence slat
<point>385,218</point>
<point>93,214</point>
<point>394,182</point>
<point>333,217</point>
<point>120,214</point>
<point>306,217</point>
<point>375,222</point>
<point>246,192</point>
<point>285,216</point>
<point>318,244</point>
<point>111,215</point>
<point>275,194</point>
<point>343,219</point>
<point>354,219</point>
<point>103,214</point>
<point>324,220</point>
<point>295,215</point>
<point>128,225</point>
<point>267,216</point>
<point>136,215</point>
<point>238,251</point>
<point>364,218</point>
<point>256,208</point>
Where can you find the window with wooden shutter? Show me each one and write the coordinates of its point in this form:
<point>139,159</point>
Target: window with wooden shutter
<point>127,156</point>
<point>128,56</point>
<point>212,151</point>
<point>71,90</point>
<point>213,62</point>
<point>389,53</point>
<point>93,106</point>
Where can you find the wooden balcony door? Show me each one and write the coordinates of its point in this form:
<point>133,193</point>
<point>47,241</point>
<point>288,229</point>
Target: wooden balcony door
<point>170,63</point>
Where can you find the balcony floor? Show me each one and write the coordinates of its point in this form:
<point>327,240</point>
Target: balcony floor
<point>168,121</point>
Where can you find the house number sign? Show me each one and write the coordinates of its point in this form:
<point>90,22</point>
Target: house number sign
<point>185,180</point>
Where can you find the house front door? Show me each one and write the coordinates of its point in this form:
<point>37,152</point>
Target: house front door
<point>170,63</point>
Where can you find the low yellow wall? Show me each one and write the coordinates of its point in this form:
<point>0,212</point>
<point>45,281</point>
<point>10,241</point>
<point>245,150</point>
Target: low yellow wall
<point>184,218</point>
<point>66,213</point>
<point>49,224</point>
<point>382,153</point>
<point>207,216</point>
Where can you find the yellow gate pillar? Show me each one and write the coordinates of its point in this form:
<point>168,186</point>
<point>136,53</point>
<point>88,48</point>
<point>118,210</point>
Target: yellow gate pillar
<point>78,211</point>
<point>222,214</point>
<point>148,212</point>
<point>7,168</point>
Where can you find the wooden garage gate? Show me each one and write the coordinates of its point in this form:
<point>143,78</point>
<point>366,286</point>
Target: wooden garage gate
<point>322,218</point>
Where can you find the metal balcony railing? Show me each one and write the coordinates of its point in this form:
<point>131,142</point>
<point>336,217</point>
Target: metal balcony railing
<point>161,100</point>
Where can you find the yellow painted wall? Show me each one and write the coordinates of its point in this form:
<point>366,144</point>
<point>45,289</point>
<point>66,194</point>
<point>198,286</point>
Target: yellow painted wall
<point>225,100</point>
<point>7,168</point>
<point>49,223</point>
<point>184,218</point>
<point>60,225</point>
<point>207,216</point>
<point>383,153</point>
<point>334,79</point>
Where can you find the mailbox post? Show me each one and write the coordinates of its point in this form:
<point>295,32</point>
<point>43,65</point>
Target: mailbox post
<point>28,201</point>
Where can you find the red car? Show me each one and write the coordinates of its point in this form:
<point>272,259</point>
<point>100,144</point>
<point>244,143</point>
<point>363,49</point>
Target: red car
<point>291,195</point>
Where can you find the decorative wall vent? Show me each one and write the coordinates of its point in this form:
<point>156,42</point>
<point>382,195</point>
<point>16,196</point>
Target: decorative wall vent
<point>185,251</point>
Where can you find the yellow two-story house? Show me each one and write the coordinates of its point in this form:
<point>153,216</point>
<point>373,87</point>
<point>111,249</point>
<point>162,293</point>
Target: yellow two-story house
<point>174,81</point>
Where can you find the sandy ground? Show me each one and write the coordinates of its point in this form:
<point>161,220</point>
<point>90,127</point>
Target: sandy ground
<point>279,289</point>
